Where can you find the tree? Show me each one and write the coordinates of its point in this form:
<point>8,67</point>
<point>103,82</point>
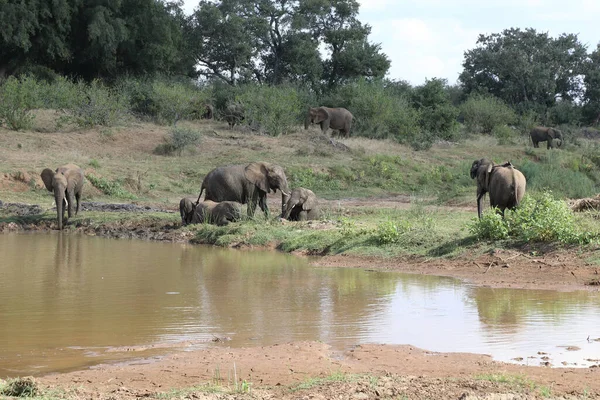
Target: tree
<point>437,114</point>
<point>275,41</point>
<point>525,68</point>
<point>33,32</point>
<point>591,107</point>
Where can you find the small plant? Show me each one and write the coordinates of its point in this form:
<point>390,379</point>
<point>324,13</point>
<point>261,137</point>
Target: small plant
<point>388,232</point>
<point>179,138</point>
<point>20,387</point>
<point>109,188</point>
<point>16,102</point>
<point>94,163</point>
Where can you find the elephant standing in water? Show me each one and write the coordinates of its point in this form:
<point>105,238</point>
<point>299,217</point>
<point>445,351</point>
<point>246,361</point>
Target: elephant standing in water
<point>246,184</point>
<point>505,184</point>
<point>543,134</point>
<point>334,118</point>
<point>66,183</point>
<point>301,206</point>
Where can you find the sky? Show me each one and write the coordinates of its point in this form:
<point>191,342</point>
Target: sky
<point>427,39</point>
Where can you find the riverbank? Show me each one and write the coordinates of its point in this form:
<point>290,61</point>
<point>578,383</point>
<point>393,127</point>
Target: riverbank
<point>311,370</point>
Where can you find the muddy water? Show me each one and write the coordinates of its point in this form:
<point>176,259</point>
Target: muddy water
<point>69,301</point>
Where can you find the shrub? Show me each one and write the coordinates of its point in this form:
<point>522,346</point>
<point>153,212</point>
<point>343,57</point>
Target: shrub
<point>271,109</point>
<point>505,134</point>
<point>491,226</point>
<point>110,188</point>
<point>549,174</point>
<point>538,219</point>
<point>179,138</point>
<point>97,104</point>
<point>176,101</point>
<point>437,114</point>
<point>17,99</point>
<point>378,113</point>
<point>483,113</point>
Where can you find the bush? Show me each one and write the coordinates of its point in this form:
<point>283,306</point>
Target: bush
<point>437,114</point>
<point>178,139</point>
<point>271,109</point>
<point>538,219</point>
<point>110,188</point>
<point>483,113</point>
<point>17,99</point>
<point>505,134</point>
<point>549,174</point>
<point>97,104</point>
<point>377,112</point>
<point>491,226</point>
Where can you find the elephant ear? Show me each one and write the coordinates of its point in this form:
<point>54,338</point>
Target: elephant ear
<point>257,173</point>
<point>323,114</point>
<point>310,200</point>
<point>47,176</point>
<point>475,168</point>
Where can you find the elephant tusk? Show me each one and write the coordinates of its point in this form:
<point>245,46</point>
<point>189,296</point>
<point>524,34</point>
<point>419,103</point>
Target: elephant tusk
<point>284,193</point>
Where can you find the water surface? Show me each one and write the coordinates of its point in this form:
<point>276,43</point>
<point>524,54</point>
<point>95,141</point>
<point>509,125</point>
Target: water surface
<point>67,301</point>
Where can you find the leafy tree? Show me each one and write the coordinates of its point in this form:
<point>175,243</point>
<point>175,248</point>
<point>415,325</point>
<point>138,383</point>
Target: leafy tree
<point>437,114</point>
<point>525,68</point>
<point>34,32</point>
<point>591,108</point>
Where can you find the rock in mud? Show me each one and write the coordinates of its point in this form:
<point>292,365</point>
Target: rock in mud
<point>20,209</point>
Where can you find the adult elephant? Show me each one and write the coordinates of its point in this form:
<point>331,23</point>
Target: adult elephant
<point>334,118</point>
<point>544,134</point>
<point>504,183</point>
<point>246,184</point>
<point>301,206</point>
<point>67,183</point>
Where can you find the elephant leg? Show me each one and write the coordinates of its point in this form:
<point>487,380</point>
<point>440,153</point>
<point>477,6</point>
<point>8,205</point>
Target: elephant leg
<point>251,207</point>
<point>479,197</point>
<point>549,145</point>
<point>262,202</point>
<point>77,199</point>
<point>303,216</point>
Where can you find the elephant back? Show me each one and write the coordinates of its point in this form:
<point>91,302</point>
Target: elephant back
<point>227,184</point>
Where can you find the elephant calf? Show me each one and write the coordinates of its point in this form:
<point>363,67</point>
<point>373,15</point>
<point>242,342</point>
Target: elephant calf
<point>504,183</point>
<point>543,134</point>
<point>301,206</point>
<point>219,214</point>
<point>187,206</point>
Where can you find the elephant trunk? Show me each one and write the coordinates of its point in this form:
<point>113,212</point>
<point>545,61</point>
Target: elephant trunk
<point>59,196</point>
<point>285,196</point>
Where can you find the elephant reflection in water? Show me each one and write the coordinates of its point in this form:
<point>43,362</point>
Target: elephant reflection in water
<point>68,257</point>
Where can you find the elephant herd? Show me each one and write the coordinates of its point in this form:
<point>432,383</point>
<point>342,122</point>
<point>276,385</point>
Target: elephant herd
<point>227,188</point>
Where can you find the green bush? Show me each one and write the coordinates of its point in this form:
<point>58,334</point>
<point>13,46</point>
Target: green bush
<point>537,219</point>
<point>176,101</point>
<point>270,109</point>
<point>505,134</point>
<point>179,138</point>
<point>17,99</point>
<point>377,112</point>
<point>437,114</point>
<point>544,219</point>
<point>491,226</point>
<point>97,104</point>
<point>483,113</point>
<point>550,174</point>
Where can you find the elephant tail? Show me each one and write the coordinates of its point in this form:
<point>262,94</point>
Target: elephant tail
<point>200,195</point>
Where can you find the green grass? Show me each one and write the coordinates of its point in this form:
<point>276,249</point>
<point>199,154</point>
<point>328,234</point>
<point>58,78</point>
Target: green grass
<point>315,382</point>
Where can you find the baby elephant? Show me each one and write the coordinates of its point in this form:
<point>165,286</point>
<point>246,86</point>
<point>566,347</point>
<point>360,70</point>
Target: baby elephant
<point>187,206</point>
<point>219,214</point>
<point>301,206</point>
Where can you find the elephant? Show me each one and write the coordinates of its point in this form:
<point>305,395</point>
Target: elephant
<point>66,183</point>
<point>334,118</point>
<point>219,214</point>
<point>233,114</point>
<point>208,111</point>
<point>302,206</point>
<point>543,134</point>
<point>187,206</point>
<point>505,184</point>
<point>246,184</point>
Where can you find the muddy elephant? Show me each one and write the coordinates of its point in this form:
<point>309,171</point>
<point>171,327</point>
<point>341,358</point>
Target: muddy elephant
<point>334,118</point>
<point>246,184</point>
<point>187,206</point>
<point>66,182</point>
<point>543,134</point>
<point>504,183</point>
<point>219,214</point>
<point>302,206</point>
<point>233,114</point>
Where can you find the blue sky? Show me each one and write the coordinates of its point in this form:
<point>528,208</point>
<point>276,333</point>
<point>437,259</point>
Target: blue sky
<point>428,38</point>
